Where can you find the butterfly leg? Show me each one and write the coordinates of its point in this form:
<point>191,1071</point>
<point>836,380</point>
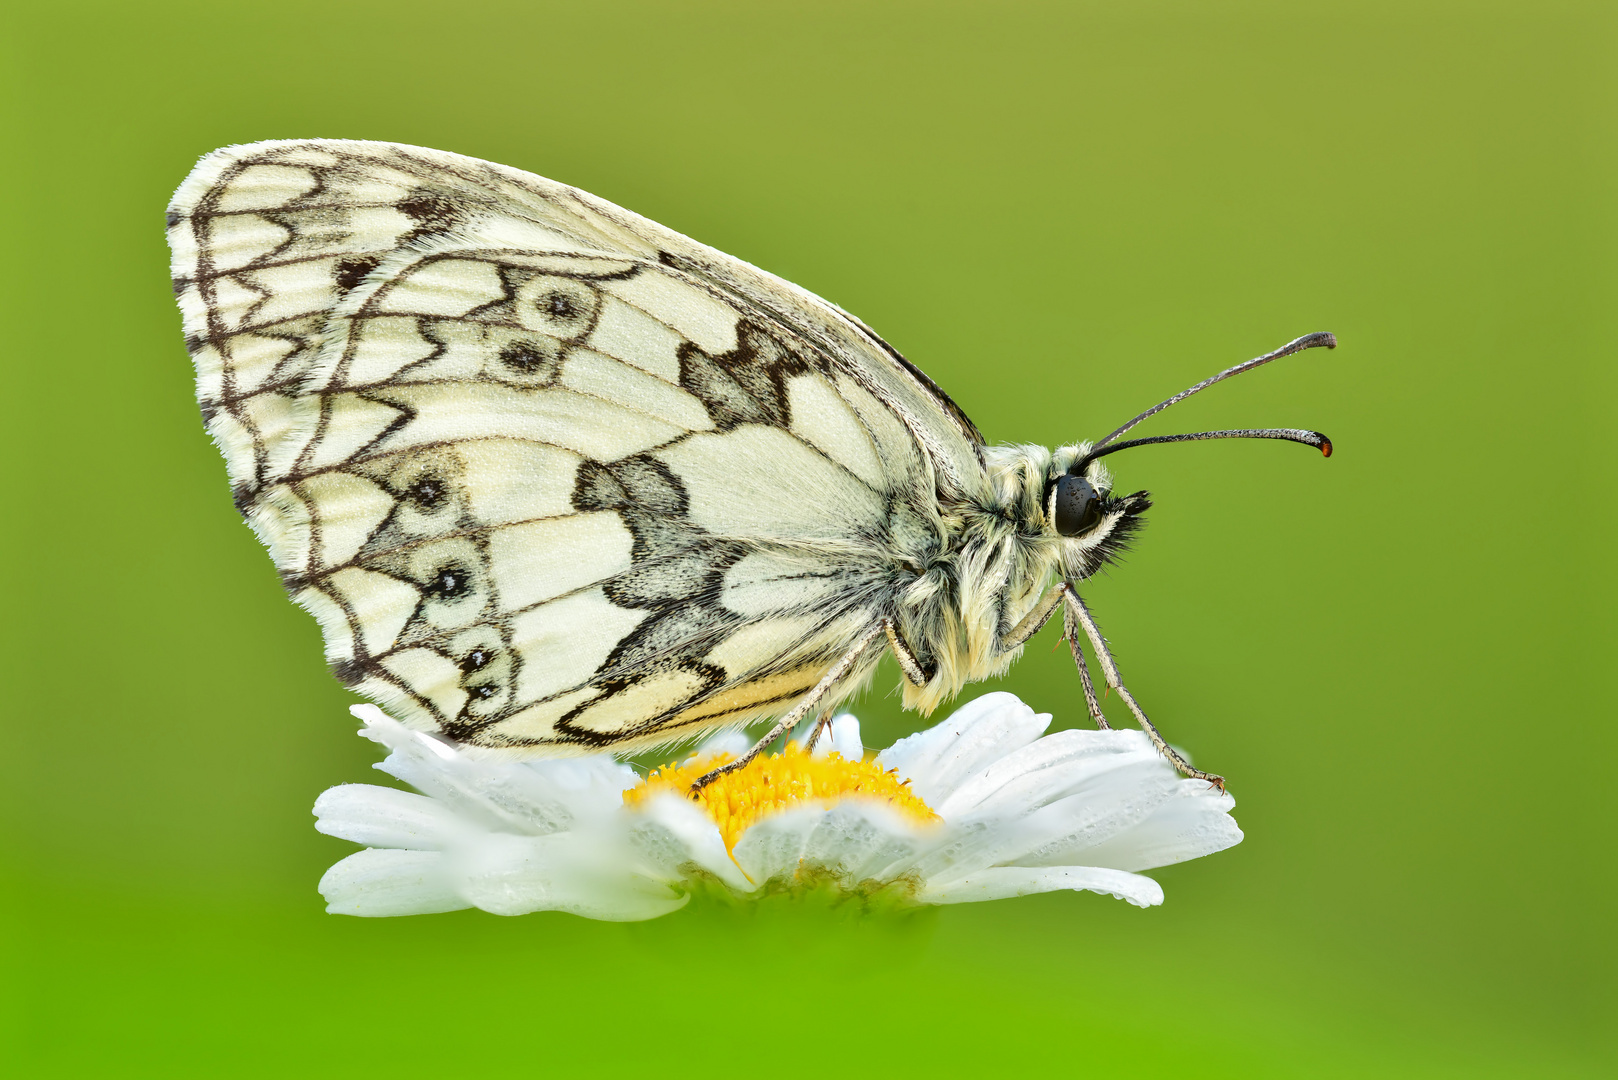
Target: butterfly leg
<point>1037,618</point>
<point>1080,614</point>
<point>1070,630</point>
<point>838,672</point>
<point>914,670</point>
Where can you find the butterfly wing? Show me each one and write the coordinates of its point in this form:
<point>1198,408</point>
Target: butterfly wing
<point>548,474</point>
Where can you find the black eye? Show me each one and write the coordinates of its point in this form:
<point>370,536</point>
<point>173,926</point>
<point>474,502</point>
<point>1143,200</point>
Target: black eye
<point>1077,506</point>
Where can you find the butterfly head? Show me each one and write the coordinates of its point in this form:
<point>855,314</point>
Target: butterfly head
<point>1079,507</point>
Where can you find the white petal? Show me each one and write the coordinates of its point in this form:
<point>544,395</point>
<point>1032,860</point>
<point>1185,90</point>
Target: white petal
<point>845,739</point>
<point>860,838</point>
<point>774,846</point>
<point>389,882</point>
<point>1192,823</point>
<point>1000,882</point>
<point>373,717</point>
<point>536,797</point>
<point>1106,794</point>
<point>1074,824</point>
<point>937,760</point>
<point>384,817</point>
<point>1049,769</point>
<point>583,874</point>
<point>670,833</point>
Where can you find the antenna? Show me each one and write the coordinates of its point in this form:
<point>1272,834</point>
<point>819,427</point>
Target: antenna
<point>1308,438</point>
<point>1297,435</point>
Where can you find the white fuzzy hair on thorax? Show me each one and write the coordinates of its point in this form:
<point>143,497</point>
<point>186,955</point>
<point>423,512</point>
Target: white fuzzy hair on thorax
<point>1007,555</point>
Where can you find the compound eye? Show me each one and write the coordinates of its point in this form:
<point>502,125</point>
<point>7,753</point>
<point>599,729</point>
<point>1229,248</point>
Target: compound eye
<point>1076,506</point>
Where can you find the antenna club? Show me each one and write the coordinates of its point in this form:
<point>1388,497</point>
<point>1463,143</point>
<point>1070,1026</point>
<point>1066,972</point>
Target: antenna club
<point>1323,339</point>
<point>1325,448</point>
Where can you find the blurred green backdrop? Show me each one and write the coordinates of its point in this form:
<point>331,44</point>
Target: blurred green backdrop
<point>1400,657</point>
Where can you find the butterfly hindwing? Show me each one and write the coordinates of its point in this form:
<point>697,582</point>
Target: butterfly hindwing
<point>544,481</point>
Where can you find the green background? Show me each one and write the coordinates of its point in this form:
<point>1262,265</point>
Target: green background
<point>1400,657</point>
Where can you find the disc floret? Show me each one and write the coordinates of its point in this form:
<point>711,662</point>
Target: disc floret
<point>772,783</point>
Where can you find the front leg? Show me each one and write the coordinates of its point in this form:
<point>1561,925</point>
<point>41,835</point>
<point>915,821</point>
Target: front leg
<point>1030,625</point>
<point>833,676</point>
<point>909,663</point>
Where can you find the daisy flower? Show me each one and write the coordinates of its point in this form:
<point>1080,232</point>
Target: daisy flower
<point>982,806</point>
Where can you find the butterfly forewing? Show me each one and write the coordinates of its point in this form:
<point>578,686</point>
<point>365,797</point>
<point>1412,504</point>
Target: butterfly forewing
<point>548,474</point>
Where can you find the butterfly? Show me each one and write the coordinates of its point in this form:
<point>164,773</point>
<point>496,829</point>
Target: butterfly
<point>555,479</point>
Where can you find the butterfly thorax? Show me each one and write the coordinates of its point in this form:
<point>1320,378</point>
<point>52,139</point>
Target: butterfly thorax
<point>1000,557</point>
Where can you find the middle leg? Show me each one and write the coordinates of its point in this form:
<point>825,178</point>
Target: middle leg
<point>1078,613</point>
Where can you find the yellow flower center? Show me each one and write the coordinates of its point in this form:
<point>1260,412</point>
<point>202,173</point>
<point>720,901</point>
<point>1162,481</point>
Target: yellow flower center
<point>771,783</point>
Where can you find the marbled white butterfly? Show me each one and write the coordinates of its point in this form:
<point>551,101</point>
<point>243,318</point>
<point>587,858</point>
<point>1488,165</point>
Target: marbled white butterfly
<point>555,479</point>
